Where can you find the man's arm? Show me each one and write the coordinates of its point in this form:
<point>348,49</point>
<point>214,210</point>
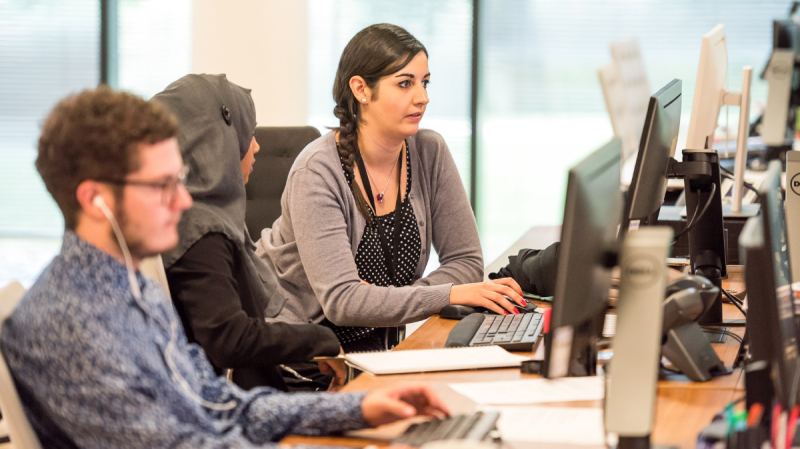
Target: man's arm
<point>108,385</point>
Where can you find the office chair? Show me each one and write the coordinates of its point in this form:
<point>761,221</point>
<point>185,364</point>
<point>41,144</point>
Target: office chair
<point>19,428</point>
<point>279,148</point>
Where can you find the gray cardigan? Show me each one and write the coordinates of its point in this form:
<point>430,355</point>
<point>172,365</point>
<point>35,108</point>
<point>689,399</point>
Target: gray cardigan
<point>312,245</point>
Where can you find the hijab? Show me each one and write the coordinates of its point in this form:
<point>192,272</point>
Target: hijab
<point>216,121</point>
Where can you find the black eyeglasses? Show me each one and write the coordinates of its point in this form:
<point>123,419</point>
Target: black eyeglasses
<point>169,187</point>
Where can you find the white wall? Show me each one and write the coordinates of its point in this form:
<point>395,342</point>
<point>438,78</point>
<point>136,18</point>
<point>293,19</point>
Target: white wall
<point>259,44</point>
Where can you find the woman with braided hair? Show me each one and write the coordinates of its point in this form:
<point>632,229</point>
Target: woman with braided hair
<point>364,203</point>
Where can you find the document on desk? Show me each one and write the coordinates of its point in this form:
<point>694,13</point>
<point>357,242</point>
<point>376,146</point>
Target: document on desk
<point>555,425</point>
<point>533,391</point>
<point>428,360</point>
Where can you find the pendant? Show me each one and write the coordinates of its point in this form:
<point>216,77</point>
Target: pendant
<point>380,197</point>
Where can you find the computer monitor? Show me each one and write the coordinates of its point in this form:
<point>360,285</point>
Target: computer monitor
<point>776,126</point>
<point>588,252</point>
<point>712,74</point>
<point>771,322</point>
<point>659,140</point>
<point>786,35</point>
<point>709,97</point>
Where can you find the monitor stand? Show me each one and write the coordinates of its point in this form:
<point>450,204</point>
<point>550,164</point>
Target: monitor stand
<point>747,210</point>
<point>707,240</point>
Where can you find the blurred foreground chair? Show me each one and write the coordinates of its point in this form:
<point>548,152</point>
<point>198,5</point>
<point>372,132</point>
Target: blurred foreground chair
<point>20,431</point>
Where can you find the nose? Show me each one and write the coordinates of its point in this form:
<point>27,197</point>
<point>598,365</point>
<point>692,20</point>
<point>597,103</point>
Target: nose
<point>183,200</point>
<point>422,95</point>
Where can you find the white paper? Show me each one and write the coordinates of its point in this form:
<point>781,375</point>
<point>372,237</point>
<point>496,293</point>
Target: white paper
<point>426,360</point>
<point>560,425</point>
<point>533,391</point>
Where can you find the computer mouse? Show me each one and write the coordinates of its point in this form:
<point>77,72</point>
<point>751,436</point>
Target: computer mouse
<point>455,312</point>
<point>528,308</point>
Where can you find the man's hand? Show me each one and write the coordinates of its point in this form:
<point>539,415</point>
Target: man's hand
<point>339,369</point>
<point>393,404</point>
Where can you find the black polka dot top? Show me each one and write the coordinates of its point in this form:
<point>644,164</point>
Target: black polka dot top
<point>371,262</point>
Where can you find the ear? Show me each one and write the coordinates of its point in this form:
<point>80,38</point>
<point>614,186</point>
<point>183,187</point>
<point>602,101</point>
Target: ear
<point>87,192</point>
<point>360,90</point>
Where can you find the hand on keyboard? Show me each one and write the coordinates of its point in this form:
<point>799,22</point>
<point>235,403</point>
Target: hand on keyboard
<point>393,404</point>
<point>492,295</point>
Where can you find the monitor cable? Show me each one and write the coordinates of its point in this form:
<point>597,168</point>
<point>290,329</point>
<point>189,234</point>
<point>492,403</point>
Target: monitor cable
<point>717,330</point>
<point>697,217</point>
<point>173,324</point>
<point>735,301</point>
<point>728,174</point>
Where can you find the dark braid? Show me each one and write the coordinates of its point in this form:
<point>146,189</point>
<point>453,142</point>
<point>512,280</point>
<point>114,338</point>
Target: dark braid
<point>375,52</point>
<point>348,147</point>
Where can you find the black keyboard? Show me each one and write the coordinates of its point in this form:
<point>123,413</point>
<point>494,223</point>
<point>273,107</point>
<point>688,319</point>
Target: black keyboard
<point>517,332</point>
<point>477,427</point>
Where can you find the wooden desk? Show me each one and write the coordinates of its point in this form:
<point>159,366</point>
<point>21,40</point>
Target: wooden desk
<point>683,408</point>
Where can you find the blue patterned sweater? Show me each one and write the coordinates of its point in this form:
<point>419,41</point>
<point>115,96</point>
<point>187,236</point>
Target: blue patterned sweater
<point>89,364</point>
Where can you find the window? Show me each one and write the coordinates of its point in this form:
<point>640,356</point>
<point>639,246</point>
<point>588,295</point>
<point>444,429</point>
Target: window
<point>154,44</point>
<point>541,107</point>
<point>49,49</point>
<point>443,26</point>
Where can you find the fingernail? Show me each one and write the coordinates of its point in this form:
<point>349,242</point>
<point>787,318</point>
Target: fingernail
<point>505,311</point>
<point>516,311</point>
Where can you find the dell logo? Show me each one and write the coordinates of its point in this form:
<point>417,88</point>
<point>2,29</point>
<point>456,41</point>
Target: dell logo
<point>780,70</point>
<point>640,270</point>
<point>796,184</point>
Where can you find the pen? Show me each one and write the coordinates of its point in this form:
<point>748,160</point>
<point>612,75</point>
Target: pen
<point>792,426</point>
<point>784,417</point>
<point>754,416</point>
<point>776,415</point>
<point>323,358</point>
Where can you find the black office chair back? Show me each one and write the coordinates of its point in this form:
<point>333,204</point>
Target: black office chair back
<point>279,148</point>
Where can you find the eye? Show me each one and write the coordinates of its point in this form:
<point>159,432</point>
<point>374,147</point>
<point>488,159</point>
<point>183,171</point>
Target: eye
<point>425,83</point>
<point>404,84</point>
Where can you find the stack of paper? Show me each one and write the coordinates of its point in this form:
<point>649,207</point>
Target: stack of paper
<point>533,391</point>
<point>427,360</point>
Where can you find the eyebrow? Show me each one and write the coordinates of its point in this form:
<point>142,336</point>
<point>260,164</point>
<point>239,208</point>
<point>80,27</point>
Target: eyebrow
<point>411,76</point>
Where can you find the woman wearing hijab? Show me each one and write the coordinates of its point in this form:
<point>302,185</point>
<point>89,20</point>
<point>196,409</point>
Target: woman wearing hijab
<point>364,203</point>
<point>221,289</point>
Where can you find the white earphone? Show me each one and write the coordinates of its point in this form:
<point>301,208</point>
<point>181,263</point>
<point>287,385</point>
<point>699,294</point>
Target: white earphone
<point>173,325</point>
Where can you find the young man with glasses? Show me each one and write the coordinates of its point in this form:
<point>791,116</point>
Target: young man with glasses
<point>97,351</point>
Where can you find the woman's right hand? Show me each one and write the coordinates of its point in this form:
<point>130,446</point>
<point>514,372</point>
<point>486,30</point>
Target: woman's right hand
<point>489,294</point>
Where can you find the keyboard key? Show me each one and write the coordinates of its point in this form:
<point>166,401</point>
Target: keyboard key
<point>495,327</point>
<point>504,338</point>
<point>506,322</point>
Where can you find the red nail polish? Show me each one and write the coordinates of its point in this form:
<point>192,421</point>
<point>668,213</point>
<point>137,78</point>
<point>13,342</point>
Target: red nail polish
<point>505,311</point>
<point>516,311</point>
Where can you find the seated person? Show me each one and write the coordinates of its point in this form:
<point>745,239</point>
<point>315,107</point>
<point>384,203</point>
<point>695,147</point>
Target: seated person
<point>363,204</point>
<point>96,350</point>
<point>221,289</point>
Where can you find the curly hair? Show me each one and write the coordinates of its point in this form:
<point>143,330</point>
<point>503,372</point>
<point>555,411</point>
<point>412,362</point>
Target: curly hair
<point>96,134</point>
<point>376,51</point>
